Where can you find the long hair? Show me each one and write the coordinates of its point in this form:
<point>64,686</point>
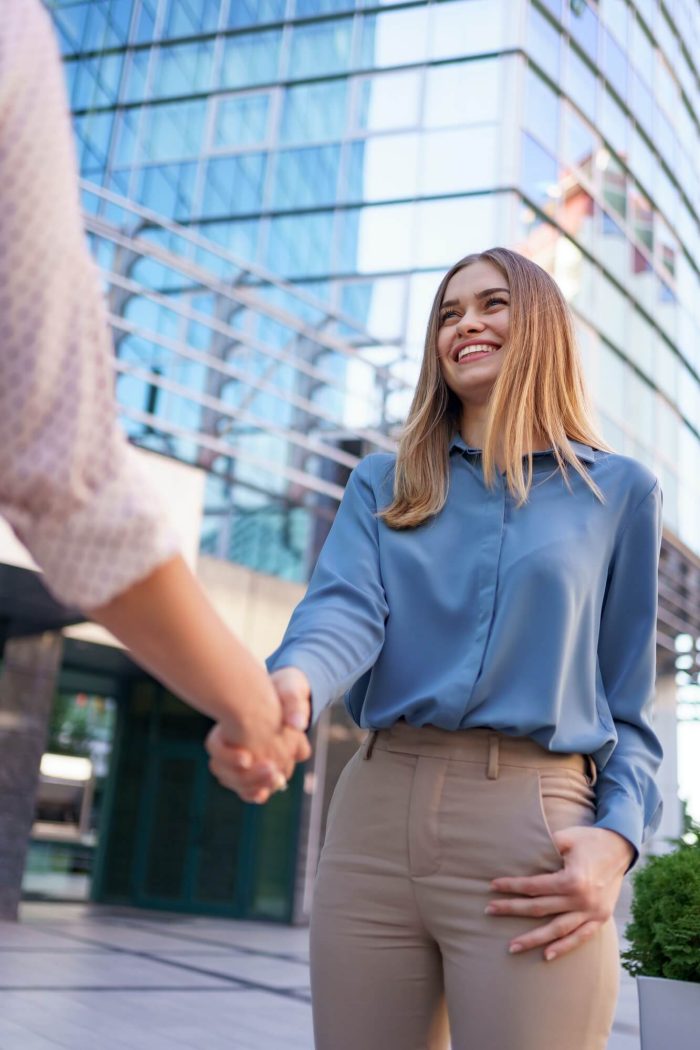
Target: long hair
<point>539,392</point>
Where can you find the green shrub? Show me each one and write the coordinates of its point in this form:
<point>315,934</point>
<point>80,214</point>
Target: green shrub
<point>664,934</point>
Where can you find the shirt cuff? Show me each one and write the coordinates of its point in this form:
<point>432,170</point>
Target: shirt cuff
<point>618,812</point>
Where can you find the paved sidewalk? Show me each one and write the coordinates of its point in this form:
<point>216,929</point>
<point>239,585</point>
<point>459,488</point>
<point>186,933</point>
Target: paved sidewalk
<point>82,978</point>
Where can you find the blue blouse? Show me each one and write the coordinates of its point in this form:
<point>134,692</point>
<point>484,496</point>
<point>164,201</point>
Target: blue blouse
<point>538,621</point>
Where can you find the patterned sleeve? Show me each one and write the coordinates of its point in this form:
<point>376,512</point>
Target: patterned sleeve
<point>70,485</point>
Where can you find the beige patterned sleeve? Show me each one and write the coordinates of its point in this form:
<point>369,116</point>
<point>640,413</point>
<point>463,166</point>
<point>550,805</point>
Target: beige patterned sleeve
<point>70,485</point>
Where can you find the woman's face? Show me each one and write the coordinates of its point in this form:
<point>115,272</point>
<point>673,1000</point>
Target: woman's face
<point>473,330</point>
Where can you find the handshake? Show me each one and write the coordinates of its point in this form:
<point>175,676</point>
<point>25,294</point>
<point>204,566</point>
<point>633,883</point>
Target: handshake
<point>256,756</point>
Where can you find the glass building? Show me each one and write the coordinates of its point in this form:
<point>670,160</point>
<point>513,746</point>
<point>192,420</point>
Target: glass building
<point>274,188</point>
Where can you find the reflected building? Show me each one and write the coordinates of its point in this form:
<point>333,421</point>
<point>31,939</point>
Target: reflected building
<point>273,189</point>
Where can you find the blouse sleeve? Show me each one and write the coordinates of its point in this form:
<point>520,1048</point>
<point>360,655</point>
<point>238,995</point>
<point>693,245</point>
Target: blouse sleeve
<point>628,799</point>
<point>337,630</point>
<point>70,485</point>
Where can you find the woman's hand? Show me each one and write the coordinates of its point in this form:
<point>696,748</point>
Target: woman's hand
<point>256,777</point>
<point>582,896</point>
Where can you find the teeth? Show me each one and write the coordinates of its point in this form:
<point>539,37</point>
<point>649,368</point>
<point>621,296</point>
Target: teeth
<point>478,348</point>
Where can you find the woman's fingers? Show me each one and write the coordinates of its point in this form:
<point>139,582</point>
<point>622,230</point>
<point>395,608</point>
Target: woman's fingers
<point>561,927</point>
<point>535,906</point>
<point>567,944</point>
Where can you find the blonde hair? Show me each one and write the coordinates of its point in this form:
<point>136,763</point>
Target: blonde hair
<point>539,392</point>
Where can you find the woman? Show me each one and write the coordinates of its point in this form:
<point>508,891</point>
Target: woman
<point>70,486</point>
<point>494,628</point>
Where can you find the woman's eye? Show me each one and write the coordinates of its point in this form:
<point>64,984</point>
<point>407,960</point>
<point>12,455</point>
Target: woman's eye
<point>447,313</point>
<point>490,302</point>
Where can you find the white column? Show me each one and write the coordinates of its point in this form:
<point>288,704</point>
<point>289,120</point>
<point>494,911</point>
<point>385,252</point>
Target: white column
<point>665,722</point>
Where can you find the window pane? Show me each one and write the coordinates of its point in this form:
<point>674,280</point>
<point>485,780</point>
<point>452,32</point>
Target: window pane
<point>185,18</point>
<point>182,70</point>
<point>250,12</point>
<point>583,26</point>
<point>541,111</point>
<point>301,245</point>
<point>241,121</point>
<point>615,64</point>
<point>250,59</point>
<point>614,179</point>
<point>463,93</point>
<point>543,41</point>
<point>581,83</point>
<point>386,167</point>
<point>615,124</point>
<point>449,229</point>
<point>321,48</point>
<point>234,185</point>
<point>579,142</point>
<point>313,112</point>
<point>394,37</point>
<point>168,189</point>
<point>539,173</point>
<point>306,177</point>
<point>468,27</point>
<point>96,81</point>
<point>389,100</point>
<point>459,160</point>
<point>174,131</point>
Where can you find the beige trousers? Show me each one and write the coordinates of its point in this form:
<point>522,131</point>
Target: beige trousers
<point>402,955</point>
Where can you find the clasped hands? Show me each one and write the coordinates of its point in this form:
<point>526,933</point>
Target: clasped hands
<point>258,757</point>
<point>578,899</point>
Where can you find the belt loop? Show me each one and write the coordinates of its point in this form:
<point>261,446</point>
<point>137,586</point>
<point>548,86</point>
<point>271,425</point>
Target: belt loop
<point>371,737</point>
<point>592,770</point>
<point>492,770</point>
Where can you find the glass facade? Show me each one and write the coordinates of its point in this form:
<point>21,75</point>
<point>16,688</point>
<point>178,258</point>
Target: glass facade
<point>356,150</point>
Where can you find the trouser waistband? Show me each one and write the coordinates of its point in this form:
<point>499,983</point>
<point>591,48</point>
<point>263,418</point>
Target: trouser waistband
<point>481,744</point>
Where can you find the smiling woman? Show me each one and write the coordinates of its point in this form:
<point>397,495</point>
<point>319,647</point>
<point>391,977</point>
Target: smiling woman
<point>496,635</point>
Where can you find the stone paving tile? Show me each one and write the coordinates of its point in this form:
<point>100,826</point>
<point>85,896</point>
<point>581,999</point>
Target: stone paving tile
<point>151,981</point>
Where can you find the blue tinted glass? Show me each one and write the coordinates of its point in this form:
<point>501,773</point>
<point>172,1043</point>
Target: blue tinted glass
<point>641,101</point>
<point>541,111</point>
<point>94,133</point>
<point>539,171</point>
<point>554,6</point>
<point>303,8</point>
<point>146,21</point>
<point>241,121</point>
<point>543,41</point>
<point>306,177</point>
<point>250,58</point>
<point>579,145</point>
<point>321,48</point>
<point>301,245</point>
<point>136,76</point>
<point>234,185</point>
<point>583,26</point>
<point>313,112</point>
<point>184,69</point>
<point>252,12</point>
<point>126,132</point>
<point>168,189</point>
<point>240,237</point>
<point>96,81</point>
<point>615,64</point>
<point>174,131</point>
<point>581,83</point>
<point>71,23</point>
<point>185,18</point>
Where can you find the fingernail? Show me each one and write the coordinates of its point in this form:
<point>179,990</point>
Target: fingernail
<point>550,955</point>
<point>298,721</point>
<point>243,761</point>
<point>515,948</point>
<point>489,910</point>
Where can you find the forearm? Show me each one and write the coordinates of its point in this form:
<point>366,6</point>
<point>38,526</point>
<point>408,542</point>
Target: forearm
<point>168,623</point>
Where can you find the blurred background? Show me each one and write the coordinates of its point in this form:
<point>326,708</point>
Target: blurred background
<point>272,190</point>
